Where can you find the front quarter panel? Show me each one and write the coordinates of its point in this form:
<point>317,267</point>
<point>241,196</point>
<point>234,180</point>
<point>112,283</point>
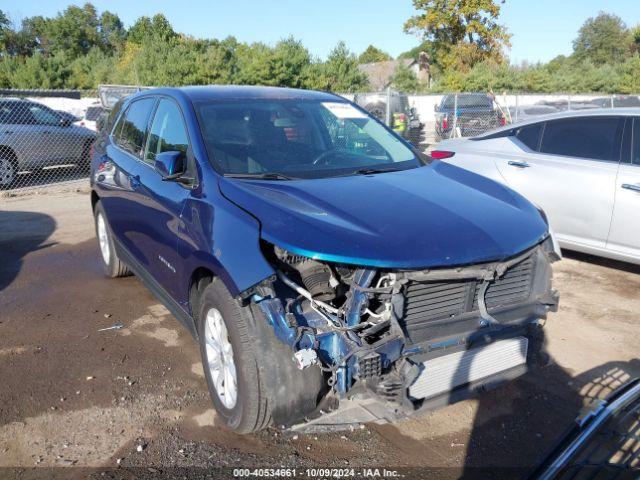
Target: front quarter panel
<point>222,238</point>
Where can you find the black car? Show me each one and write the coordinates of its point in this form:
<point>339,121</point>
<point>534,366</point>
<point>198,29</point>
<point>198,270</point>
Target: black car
<point>466,115</point>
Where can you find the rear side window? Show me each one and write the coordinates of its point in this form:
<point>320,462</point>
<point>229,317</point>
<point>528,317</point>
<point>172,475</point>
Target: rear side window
<point>131,134</point>
<point>635,155</point>
<point>113,115</point>
<point>595,138</point>
<point>530,135</point>
<point>168,132</point>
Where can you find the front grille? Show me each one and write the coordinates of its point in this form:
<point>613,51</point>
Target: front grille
<point>428,303</point>
<point>513,287</point>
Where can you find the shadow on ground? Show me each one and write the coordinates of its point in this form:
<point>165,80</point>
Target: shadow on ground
<point>20,234</point>
<point>603,262</point>
<point>544,405</point>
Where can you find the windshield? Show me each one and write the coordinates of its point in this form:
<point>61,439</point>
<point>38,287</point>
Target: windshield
<point>298,139</point>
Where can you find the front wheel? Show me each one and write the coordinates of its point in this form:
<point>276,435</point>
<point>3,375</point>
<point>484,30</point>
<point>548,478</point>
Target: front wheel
<point>112,265</point>
<point>250,374</point>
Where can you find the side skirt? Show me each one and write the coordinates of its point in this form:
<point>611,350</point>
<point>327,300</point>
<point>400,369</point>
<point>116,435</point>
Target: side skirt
<point>158,291</point>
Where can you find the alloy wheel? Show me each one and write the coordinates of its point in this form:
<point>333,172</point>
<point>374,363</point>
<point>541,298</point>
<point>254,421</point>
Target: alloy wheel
<point>7,171</point>
<point>220,359</point>
<point>103,239</point>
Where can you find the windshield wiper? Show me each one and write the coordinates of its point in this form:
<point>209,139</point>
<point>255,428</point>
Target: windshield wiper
<point>260,176</point>
<point>370,171</point>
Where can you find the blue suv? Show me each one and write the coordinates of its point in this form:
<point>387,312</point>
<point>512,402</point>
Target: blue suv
<point>331,273</point>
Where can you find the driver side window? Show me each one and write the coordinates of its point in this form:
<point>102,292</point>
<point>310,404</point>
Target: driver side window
<point>167,133</point>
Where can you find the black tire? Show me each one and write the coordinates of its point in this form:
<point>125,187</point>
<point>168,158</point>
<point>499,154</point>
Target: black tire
<point>8,179</point>
<point>270,389</point>
<point>112,265</point>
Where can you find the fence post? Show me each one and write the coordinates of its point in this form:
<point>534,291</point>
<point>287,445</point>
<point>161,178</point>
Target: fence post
<point>517,106</point>
<point>569,102</point>
<point>388,119</point>
<point>612,104</point>
<point>454,127</point>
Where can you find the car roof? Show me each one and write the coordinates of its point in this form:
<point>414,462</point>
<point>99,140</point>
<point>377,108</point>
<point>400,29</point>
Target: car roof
<point>596,112</point>
<point>244,92</point>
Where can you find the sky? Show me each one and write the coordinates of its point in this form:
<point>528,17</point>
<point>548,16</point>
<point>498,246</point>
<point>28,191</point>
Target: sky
<point>541,29</point>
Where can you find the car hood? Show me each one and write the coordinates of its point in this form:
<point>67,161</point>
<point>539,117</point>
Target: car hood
<point>434,216</point>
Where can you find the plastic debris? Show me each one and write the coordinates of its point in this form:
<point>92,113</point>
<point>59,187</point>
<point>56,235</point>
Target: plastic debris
<point>117,326</point>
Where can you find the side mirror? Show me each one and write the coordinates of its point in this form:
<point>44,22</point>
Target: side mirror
<point>170,165</point>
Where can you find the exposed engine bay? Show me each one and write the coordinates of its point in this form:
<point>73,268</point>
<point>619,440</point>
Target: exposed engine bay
<point>407,338</point>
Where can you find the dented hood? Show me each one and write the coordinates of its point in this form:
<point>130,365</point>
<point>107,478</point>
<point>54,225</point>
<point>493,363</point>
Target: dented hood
<point>434,216</point>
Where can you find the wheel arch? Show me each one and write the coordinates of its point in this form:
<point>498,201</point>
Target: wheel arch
<point>199,279</point>
<point>95,198</point>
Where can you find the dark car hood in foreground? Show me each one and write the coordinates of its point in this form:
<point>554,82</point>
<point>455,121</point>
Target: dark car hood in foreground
<point>438,215</point>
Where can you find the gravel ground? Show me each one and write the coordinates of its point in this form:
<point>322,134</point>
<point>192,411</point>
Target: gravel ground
<point>134,401</point>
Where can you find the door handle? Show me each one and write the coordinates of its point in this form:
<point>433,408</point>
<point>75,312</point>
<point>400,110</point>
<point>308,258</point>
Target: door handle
<point>134,181</point>
<point>514,163</point>
<point>628,186</point>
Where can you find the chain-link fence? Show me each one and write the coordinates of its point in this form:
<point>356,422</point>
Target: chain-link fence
<point>427,119</point>
<point>46,136</point>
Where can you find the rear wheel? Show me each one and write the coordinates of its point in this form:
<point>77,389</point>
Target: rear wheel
<point>250,374</point>
<point>111,263</point>
<point>8,172</point>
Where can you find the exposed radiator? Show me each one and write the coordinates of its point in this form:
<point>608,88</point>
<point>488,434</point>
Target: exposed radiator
<point>427,303</point>
<point>443,374</point>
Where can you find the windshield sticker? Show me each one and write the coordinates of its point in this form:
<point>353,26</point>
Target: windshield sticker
<point>343,110</point>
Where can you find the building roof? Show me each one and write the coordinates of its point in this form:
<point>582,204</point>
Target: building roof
<point>380,73</point>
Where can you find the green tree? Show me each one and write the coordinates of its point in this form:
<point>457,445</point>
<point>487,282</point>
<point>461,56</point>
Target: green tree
<point>462,32</point>
<point>289,60</point>
<point>339,73</point>
<point>73,32</point>
<point>404,80</point>
<point>373,54</point>
<point>156,29</point>
<point>5,26</point>
<point>629,80</point>
<point>635,39</point>
<point>602,39</point>
<point>112,31</point>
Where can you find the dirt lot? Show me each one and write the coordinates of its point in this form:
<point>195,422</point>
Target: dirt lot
<point>74,396</point>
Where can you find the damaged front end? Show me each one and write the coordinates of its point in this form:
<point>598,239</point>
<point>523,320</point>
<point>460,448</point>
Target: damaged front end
<point>394,342</point>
